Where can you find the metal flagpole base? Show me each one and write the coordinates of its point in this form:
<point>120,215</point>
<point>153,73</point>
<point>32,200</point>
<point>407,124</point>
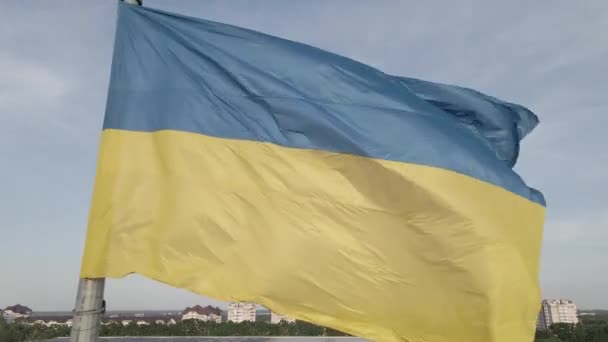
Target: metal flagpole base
<point>88,310</point>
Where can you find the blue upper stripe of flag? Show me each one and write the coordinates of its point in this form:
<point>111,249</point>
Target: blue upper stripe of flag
<point>172,72</point>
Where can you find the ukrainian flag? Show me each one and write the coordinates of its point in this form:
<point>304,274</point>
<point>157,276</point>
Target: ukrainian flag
<point>247,167</point>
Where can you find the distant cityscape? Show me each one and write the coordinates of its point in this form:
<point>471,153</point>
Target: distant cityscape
<point>237,312</point>
<point>552,311</point>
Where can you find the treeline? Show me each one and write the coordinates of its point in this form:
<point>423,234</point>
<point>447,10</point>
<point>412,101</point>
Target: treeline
<point>199,328</point>
<point>22,332</point>
<point>589,331</point>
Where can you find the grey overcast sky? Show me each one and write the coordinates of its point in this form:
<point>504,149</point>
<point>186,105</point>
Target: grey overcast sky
<point>550,56</point>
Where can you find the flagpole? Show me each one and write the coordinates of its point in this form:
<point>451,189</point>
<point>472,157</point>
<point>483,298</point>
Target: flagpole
<point>88,310</point>
<point>90,305</point>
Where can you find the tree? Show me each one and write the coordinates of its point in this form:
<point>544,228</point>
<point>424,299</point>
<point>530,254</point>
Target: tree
<point>563,331</point>
<point>600,334</point>
<point>579,333</point>
<point>542,334</point>
<point>5,334</point>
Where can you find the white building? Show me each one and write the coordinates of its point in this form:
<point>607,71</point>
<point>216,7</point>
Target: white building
<point>16,311</point>
<point>8,318</point>
<point>207,314</point>
<point>556,311</point>
<point>241,312</point>
<point>276,318</point>
<point>48,321</point>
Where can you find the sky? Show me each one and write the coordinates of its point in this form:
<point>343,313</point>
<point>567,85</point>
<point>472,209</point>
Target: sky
<point>54,72</point>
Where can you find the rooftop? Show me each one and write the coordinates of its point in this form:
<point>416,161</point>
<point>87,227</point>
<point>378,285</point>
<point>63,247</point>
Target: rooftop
<point>20,309</point>
<point>207,310</point>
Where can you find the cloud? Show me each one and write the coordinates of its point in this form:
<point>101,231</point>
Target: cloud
<point>29,89</point>
<point>588,229</point>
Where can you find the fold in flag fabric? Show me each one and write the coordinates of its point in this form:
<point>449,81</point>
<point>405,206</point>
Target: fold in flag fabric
<point>246,167</point>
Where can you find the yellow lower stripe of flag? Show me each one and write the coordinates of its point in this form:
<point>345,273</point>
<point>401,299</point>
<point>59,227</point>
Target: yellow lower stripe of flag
<point>386,250</point>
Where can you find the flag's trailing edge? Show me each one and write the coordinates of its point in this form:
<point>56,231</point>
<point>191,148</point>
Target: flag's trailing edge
<point>247,167</point>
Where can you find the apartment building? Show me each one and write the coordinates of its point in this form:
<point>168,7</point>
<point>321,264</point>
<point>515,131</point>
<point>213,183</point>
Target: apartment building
<point>241,312</point>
